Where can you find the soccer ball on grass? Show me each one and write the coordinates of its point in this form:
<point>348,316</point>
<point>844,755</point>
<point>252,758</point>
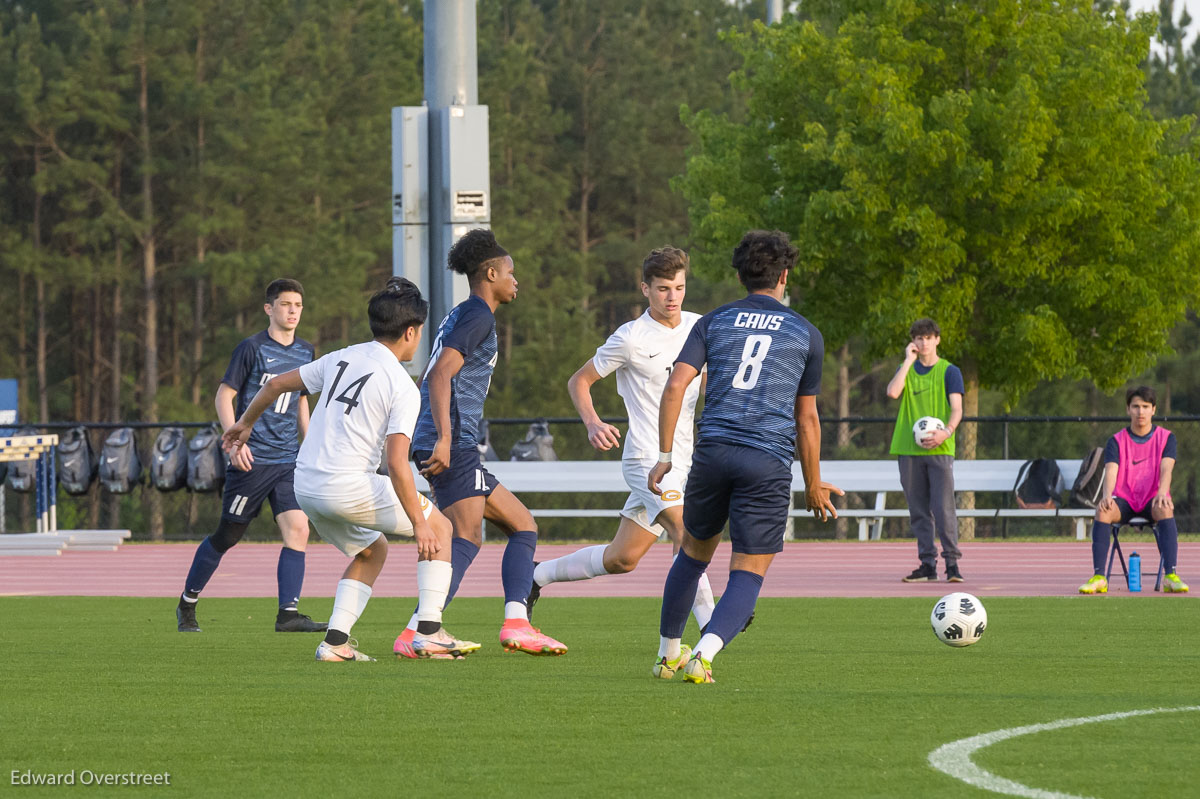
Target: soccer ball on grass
<point>958,619</point>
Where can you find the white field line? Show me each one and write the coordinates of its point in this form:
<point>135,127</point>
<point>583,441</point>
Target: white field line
<point>954,758</point>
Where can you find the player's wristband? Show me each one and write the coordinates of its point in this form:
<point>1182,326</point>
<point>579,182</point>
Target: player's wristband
<point>664,457</point>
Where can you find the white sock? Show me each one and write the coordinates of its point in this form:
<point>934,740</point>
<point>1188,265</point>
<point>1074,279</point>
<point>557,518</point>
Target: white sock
<point>348,604</point>
<point>582,564</point>
<point>433,584</point>
<point>412,623</point>
<point>668,648</point>
<point>709,646</point>
<point>702,608</point>
<point>515,610</point>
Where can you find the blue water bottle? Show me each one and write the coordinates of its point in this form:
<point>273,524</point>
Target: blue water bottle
<point>1135,572</point>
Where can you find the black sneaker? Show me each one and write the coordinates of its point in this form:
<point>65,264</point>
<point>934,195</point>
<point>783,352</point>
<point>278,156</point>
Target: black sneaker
<point>298,623</point>
<point>185,614</point>
<point>922,574</point>
<point>952,573</point>
<point>535,593</point>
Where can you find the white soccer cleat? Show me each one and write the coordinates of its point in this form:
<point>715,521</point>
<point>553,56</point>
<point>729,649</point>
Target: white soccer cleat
<point>442,646</point>
<point>340,654</point>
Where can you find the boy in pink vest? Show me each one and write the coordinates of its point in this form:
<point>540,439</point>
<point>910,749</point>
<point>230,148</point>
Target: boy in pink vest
<point>1138,462</point>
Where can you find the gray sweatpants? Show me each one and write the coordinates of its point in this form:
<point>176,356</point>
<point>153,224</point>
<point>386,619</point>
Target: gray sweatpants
<point>928,482</point>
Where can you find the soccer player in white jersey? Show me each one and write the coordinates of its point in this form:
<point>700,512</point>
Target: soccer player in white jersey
<point>368,404</point>
<point>641,353</point>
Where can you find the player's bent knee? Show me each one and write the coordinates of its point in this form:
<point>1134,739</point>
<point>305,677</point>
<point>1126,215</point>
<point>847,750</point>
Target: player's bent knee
<point>376,552</point>
<point>621,563</point>
<point>227,535</point>
<point>295,537</point>
<point>1161,515</point>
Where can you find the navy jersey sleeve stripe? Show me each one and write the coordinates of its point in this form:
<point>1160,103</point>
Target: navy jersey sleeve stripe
<point>470,329</point>
<point>241,364</point>
<point>695,348</point>
<point>810,380</point>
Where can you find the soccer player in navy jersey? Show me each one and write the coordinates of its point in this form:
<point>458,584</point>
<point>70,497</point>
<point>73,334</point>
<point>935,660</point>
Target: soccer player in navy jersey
<point>264,468</point>
<point>764,374</point>
<point>453,391</point>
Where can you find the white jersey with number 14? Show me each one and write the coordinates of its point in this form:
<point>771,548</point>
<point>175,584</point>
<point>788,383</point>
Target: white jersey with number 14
<point>365,397</point>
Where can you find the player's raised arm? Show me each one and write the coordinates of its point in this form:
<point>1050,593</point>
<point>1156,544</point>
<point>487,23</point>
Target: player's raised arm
<point>449,363</point>
<point>808,432</point>
<point>239,432</point>
<point>399,472</point>
<point>603,436</point>
<point>682,374</point>
<point>895,387</point>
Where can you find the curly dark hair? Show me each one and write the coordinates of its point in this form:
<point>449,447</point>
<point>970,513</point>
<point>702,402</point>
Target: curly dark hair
<point>395,308</point>
<point>472,252</point>
<point>762,256</point>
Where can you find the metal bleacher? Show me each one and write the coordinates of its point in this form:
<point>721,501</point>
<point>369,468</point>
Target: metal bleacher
<point>877,477</point>
<point>48,539</point>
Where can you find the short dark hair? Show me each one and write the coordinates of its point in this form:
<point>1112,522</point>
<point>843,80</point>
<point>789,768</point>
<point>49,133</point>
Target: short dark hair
<point>762,256</point>
<point>395,308</point>
<point>665,262</point>
<point>1145,393</point>
<point>472,252</point>
<point>924,327</point>
<point>277,287</point>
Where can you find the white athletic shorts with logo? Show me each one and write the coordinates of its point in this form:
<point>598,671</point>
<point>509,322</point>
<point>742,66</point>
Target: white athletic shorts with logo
<point>355,519</point>
<point>643,507</point>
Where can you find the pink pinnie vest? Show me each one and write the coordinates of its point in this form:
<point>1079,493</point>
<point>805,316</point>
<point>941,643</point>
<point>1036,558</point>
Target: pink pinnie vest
<point>1138,467</point>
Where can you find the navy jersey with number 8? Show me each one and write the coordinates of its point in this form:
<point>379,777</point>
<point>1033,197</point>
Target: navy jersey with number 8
<point>761,355</point>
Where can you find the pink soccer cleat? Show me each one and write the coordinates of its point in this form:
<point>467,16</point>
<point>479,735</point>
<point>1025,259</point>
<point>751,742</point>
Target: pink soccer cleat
<point>518,635</point>
<point>404,644</point>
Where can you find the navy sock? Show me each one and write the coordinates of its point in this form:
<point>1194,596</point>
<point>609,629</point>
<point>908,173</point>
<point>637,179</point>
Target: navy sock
<point>462,553</point>
<point>1101,535</point>
<point>679,594</point>
<point>736,605</point>
<point>516,567</point>
<point>1168,543</point>
<point>204,564</point>
<point>290,573</point>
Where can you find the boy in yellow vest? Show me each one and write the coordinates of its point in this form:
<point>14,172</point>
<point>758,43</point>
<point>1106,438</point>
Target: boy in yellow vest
<point>927,385</point>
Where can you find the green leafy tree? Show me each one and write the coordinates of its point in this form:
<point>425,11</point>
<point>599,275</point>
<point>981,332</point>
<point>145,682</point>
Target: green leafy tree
<point>989,164</point>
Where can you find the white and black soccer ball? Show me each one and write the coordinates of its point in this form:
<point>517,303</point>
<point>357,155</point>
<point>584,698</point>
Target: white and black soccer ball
<point>926,426</point>
<point>958,619</point>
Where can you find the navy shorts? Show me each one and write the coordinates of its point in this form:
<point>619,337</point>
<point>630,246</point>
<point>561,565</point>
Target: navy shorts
<point>1127,511</point>
<point>465,478</point>
<point>750,488</point>
<point>245,491</point>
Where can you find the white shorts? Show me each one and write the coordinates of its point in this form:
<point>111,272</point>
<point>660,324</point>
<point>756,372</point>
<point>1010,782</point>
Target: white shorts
<point>354,520</point>
<point>643,507</point>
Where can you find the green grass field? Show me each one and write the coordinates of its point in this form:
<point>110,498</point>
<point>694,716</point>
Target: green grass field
<point>820,697</point>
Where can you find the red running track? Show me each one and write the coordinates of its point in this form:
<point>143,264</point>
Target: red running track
<point>814,569</point>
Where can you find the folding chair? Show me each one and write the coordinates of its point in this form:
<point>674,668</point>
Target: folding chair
<point>1141,523</point>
